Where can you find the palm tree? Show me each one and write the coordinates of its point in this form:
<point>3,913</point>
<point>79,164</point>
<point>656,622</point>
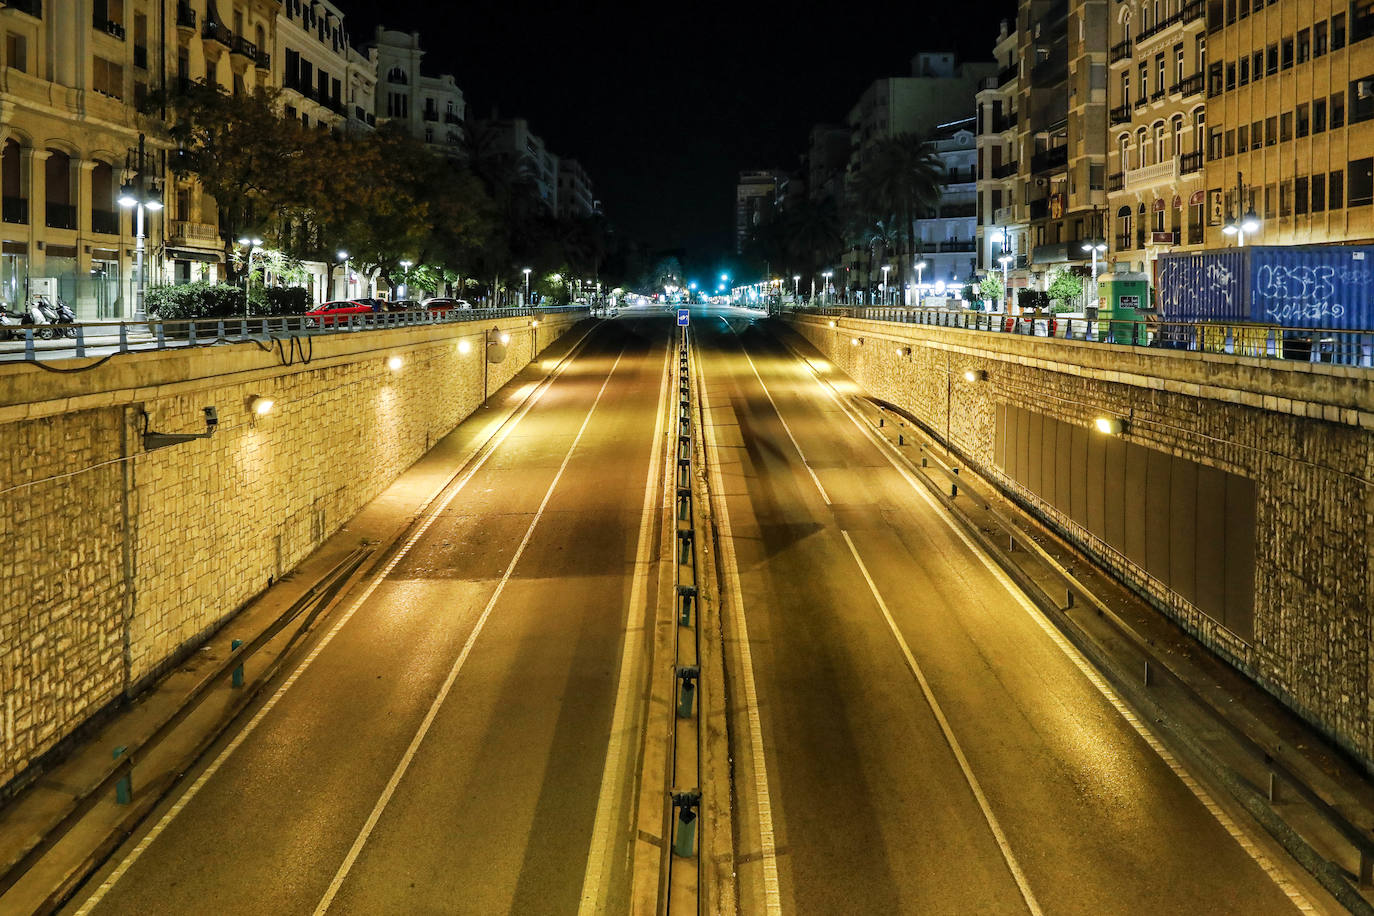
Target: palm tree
<point>811,229</point>
<point>900,179</point>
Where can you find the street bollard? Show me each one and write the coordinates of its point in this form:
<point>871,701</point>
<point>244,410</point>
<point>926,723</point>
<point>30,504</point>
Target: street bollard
<point>1147,672</point>
<point>684,539</point>
<point>901,439</point>
<point>687,675</point>
<point>954,489</point>
<point>1011,543</point>
<point>880,421</point>
<point>1068,599</point>
<point>124,786</point>
<point>684,839</point>
<point>686,596</point>
<point>236,677</point>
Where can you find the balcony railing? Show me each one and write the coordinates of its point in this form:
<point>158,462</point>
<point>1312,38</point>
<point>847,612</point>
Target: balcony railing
<point>958,176</point>
<point>264,61</point>
<point>1152,174</point>
<point>1005,170</point>
<point>1189,163</point>
<point>105,222</point>
<point>1165,237</point>
<point>452,118</point>
<point>108,26</point>
<point>1141,102</point>
<point>1115,181</point>
<point>1049,73</point>
<point>1194,10</point>
<point>1120,51</point>
<point>183,231</point>
<point>244,47</point>
<point>186,17</point>
<point>1006,75</point>
<point>1121,114</point>
<point>14,209</point>
<point>956,211</point>
<point>61,216</point>
<point>958,245</point>
<point>213,31</point>
<point>1004,122</point>
<point>1039,209</point>
<point>33,7</point>
<point>1191,85</point>
<point>431,116</point>
<point>1052,158</point>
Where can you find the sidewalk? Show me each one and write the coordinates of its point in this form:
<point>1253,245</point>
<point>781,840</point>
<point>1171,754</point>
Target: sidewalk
<point>382,524</point>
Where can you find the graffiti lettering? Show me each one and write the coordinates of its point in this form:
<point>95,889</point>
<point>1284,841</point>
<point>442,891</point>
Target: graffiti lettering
<point>1304,311</point>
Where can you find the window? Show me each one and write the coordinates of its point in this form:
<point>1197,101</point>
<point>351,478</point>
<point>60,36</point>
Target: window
<point>1200,53</point>
<point>1319,39</point>
<point>1318,116</point>
<point>1242,138</point>
<point>1230,143</point>
<point>1300,196</point>
<point>1318,193</point>
<point>1161,80</point>
<point>1361,99</point>
<point>1335,195</point>
<point>1337,110</point>
<point>1124,150</point>
<point>1161,146</point>
<point>1126,87</point>
<point>1361,191</point>
<point>1214,79</point>
<point>1286,126</point>
<point>1214,143</point>
<point>1230,76</point>
<point>17,52</point>
<point>1269,201</point>
<point>1271,133</point>
<point>1244,70</point>
<point>1287,53</point>
<point>1304,46</point>
<point>1198,118</point>
<point>1338,31</point>
<point>1178,63</point>
<point>107,77</point>
<point>1142,149</point>
<point>1257,65</point>
<point>1144,81</point>
<point>1176,130</point>
<point>1256,134</point>
<point>1304,122</point>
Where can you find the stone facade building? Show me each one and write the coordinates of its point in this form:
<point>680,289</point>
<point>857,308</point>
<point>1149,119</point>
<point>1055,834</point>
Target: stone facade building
<point>945,235</point>
<point>1002,214</point>
<point>431,108</point>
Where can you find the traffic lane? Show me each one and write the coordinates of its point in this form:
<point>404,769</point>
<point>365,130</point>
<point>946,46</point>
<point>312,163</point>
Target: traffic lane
<point>495,813</point>
<point>325,751</point>
<point>1121,814</point>
<point>871,813</point>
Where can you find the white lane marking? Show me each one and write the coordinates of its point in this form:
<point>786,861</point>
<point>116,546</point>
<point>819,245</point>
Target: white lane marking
<point>1287,887</point>
<point>1003,843</point>
<point>614,775</point>
<point>458,663</point>
<point>377,579</point>
<point>734,597</point>
<point>787,429</point>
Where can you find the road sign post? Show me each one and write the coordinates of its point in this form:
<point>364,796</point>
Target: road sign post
<point>682,316</point>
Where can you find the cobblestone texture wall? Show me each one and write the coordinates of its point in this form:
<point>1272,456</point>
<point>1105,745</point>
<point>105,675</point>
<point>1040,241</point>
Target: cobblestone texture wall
<point>115,559</point>
<point>1304,434</point>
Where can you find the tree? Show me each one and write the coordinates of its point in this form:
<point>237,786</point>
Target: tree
<point>1065,288</point>
<point>991,288</point>
<point>899,180</point>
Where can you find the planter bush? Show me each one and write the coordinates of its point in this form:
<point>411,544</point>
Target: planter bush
<point>190,301</point>
<point>276,301</point>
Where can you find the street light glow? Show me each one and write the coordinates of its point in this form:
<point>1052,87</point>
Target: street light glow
<point>394,363</point>
<point>1108,426</point>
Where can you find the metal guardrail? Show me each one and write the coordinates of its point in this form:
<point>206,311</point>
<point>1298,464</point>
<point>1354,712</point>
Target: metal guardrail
<point>68,341</point>
<point>1261,341</point>
<point>685,753</point>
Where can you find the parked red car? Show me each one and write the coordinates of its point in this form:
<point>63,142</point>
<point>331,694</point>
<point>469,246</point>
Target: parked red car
<point>338,312</point>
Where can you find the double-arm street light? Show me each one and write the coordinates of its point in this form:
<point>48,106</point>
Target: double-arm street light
<point>348,280</point>
<point>886,268</point>
<point>825,292</point>
<point>405,275</point>
<point>1246,220</point>
<point>1096,246</point>
<point>254,245</point>
<point>920,269</point>
<point>141,196</point>
<point>526,272</point>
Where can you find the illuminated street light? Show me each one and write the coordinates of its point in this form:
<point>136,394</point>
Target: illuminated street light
<point>526,272</point>
<point>1108,426</point>
<point>886,268</point>
<point>920,269</point>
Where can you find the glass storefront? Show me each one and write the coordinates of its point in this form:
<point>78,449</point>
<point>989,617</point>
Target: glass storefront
<point>14,275</point>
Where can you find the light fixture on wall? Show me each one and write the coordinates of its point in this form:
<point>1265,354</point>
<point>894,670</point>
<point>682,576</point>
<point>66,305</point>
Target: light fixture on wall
<point>259,405</point>
<point>1108,426</point>
<point>394,363</point>
<point>856,341</point>
<point>152,440</point>
<point>832,322</point>
<point>903,351</point>
<point>974,375</point>
<point>534,323</point>
<point>505,338</point>
<point>464,346</point>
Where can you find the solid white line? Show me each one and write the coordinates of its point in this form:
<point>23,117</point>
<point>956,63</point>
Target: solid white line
<point>1294,894</point>
<point>953,742</point>
<point>614,775</point>
<point>734,598</point>
<point>787,429</point>
<point>433,713</point>
<point>267,707</point>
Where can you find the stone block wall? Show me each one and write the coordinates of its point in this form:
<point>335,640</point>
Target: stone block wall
<point>1304,433</point>
<point>116,559</point>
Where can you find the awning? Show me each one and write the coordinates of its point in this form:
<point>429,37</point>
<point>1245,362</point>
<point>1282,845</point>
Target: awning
<point>191,254</point>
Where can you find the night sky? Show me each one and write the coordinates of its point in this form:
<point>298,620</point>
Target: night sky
<point>664,104</point>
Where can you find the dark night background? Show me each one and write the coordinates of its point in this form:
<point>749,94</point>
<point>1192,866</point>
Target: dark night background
<point>664,104</point>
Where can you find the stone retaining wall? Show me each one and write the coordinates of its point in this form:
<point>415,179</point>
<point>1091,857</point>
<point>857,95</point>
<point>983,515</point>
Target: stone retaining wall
<point>1304,433</point>
<point>117,559</point>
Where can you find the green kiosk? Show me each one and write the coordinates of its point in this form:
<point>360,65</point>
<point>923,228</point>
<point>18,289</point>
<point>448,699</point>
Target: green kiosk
<point>1124,298</point>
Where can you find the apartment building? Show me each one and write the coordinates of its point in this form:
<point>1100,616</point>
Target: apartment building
<point>575,199</point>
<point>431,108</point>
<point>312,62</point>
<point>514,136</point>
<point>945,235</point>
<point>1002,225</point>
<point>826,159</point>
<point>1290,120</point>
<point>1061,128</point>
<point>1156,127</point>
<point>756,194</point>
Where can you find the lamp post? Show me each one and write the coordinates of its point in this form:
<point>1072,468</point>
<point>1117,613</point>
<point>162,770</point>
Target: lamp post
<point>253,245</point>
<point>348,281</point>
<point>405,275</point>
<point>920,270</point>
<point>1004,260</point>
<point>825,292</point>
<point>1096,246</point>
<point>526,272</point>
<point>134,194</point>
<point>796,288</point>
<point>886,268</point>
<point>1246,220</point>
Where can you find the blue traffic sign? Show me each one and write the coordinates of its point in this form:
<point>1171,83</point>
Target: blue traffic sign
<point>682,316</point>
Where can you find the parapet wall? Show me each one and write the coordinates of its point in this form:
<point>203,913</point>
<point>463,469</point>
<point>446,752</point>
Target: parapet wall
<point>1282,450</point>
<point>116,559</point>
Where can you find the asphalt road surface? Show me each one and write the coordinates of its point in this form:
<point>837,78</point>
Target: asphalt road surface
<point>928,746</point>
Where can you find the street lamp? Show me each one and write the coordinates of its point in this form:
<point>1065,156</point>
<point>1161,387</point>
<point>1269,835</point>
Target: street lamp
<point>1004,260</point>
<point>886,268</point>
<point>1249,222</point>
<point>253,245</point>
<point>920,269</point>
<point>796,291</point>
<point>348,279</point>
<point>526,272</point>
<point>826,291</point>
<point>405,275</point>
<point>133,195</point>
<point>1096,246</point>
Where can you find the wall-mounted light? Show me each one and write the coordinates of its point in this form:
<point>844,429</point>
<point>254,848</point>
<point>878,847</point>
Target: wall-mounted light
<point>1108,426</point>
<point>534,323</point>
<point>832,322</point>
<point>394,363</point>
<point>856,341</point>
<point>903,351</point>
<point>260,406</point>
<point>975,375</point>
<point>505,338</point>
<point>464,347</point>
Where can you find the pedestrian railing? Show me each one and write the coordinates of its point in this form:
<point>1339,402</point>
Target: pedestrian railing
<point>68,341</point>
<point>1345,348</point>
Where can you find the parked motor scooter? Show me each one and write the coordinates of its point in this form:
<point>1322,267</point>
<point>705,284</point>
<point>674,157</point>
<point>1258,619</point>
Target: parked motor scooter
<point>46,317</point>
<point>9,323</point>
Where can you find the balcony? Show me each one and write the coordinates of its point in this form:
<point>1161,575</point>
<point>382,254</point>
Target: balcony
<point>14,209</point>
<point>61,216</point>
<point>1005,170</point>
<point>1151,175</point>
<point>451,118</point>
<point>1053,252</point>
<point>186,17</point>
<point>1006,76</point>
<point>1053,158</point>
<point>1050,73</point>
<point>181,232</point>
<point>1141,102</point>
<point>1121,114</point>
<point>1120,51</point>
<point>1004,216</point>
<point>1189,86</point>
<point>1115,182</point>
<point>949,245</point>
<point>106,222</point>
<point>1194,10</point>
<point>33,8</point>
<point>1005,122</point>
<point>1157,94</point>
<point>957,211</point>
<point>1040,209</point>
<point>264,61</point>
<point>244,47</point>
<point>213,31</point>
<point>955,176</point>
<point>1189,163</point>
<point>431,115</point>
<point>109,27</point>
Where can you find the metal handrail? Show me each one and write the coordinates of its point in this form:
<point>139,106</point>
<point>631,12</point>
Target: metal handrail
<point>72,341</point>
<point>1260,341</point>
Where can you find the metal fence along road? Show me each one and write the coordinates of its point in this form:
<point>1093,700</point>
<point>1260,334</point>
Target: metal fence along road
<point>43,343</point>
<point>1345,348</point>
